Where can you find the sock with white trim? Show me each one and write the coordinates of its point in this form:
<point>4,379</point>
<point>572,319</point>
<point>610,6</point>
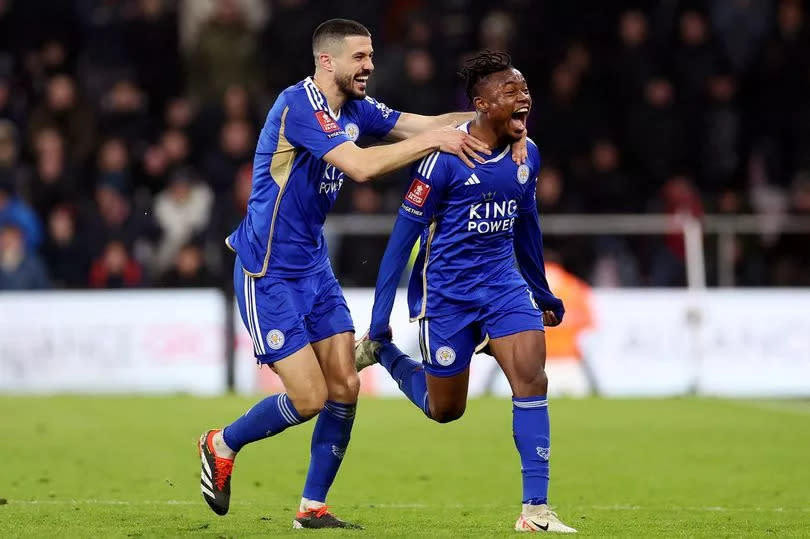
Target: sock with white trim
<point>531,430</point>
<point>331,436</point>
<point>408,373</point>
<point>266,418</point>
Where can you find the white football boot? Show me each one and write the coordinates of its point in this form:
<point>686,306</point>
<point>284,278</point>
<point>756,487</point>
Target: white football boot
<point>540,518</point>
<point>366,352</point>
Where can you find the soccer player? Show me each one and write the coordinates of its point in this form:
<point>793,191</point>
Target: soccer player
<point>288,296</point>
<point>466,290</point>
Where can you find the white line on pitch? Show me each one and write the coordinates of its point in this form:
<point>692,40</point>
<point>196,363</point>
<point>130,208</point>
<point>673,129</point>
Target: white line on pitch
<point>713,509</point>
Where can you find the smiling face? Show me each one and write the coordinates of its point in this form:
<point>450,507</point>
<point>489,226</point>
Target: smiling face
<point>503,98</point>
<point>352,63</point>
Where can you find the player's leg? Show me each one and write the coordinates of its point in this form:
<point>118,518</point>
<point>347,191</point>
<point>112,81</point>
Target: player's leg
<point>517,341</point>
<point>290,355</point>
<point>438,384</point>
<point>331,331</point>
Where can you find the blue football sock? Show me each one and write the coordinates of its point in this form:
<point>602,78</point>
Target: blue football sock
<point>329,441</point>
<point>408,373</point>
<point>530,427</point>
<point>267,417</point>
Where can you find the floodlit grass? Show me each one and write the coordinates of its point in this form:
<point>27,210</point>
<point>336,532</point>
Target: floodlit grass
<point>128,467</point>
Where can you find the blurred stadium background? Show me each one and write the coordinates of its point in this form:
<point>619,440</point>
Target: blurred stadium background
<point>675,196</point>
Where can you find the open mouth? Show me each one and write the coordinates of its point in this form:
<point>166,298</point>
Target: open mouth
<point>518,121</point>
<point>361,81</point>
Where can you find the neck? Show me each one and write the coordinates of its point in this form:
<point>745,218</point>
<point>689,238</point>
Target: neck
<point>334,95</point>
<point>480,129</point>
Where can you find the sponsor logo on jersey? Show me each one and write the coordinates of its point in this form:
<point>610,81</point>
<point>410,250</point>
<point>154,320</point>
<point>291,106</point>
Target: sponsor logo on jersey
<point>275,339</point>
<point>327,123</point>
<point>332,180</point>
<point>490,216</point>
<point>418,193</point>
<point>352,131</point>
<point>445,356</point>
<point>523,174</point>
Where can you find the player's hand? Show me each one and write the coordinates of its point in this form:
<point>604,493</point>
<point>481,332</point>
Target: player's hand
<point>380,334</point>
<point>553,310</point>
<point>465,146</point>
<point>520,151</point>
<point>550,319</point>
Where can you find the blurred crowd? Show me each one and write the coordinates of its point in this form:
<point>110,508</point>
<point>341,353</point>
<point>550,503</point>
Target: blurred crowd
<point>127,127</point>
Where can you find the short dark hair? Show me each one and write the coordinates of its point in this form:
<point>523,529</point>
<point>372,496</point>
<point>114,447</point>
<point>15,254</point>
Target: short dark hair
<point>480,67</point>
<point>336,29</point>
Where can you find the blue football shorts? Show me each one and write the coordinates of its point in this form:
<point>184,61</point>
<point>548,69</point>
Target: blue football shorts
<point>448,341</point>
<point>285,314</point>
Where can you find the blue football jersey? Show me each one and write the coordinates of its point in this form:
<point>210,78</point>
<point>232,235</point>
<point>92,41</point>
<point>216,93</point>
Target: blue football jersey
<point>293,187</point>
<point>467,246</point>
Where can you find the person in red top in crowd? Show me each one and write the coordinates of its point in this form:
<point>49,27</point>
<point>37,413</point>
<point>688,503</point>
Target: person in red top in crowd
<point>115,268</point>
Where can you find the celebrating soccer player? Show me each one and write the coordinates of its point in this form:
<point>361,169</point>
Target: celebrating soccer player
<point>466,290</point>
<point>288,296</point>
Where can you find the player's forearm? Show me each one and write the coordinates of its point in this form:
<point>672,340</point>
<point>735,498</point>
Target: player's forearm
<point>453,117</point>
<point>377,161</point>
<point>529,252</point>
<point>393,264</point>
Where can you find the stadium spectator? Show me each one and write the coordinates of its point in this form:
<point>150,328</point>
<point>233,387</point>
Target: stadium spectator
<point>63,110</point>
<point>11,173</point>
<point>188,269</point>
<point>225,53</point>
<point>181,210</point>
<point>655,134</point>
<point>124,114</point>
<point>154,48</point>
<point>15,210</point>
<point>227,213</point>
<point>53,181</point>
<point>20,267</point>
<point>115,268</point>
<point>65,252</point>
<point>235,148</point>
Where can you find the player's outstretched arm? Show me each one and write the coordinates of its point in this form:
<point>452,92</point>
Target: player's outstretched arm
<point>365,164</point>
<point>409,125</point>
<point>529,252</point>
<point>393,264</point>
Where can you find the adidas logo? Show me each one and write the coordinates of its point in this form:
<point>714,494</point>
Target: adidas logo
<point>472,180</point>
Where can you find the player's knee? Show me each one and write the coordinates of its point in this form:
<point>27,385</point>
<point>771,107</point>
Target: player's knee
<point>446,415</point>
<point>311,404</point>
<point>532,384</point>
<point>346,389</point>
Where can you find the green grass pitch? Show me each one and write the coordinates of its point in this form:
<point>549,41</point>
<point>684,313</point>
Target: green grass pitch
<point>128,467</point>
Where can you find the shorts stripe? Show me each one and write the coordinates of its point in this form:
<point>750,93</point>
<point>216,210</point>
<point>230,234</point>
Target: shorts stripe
<point>425,357</point>
<point>248,314</point>
<point>259,337</point>
<point>427,340</point>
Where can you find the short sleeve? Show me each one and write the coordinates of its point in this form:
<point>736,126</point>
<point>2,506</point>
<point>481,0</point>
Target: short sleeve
<point>428,180</point>
<point>377,118</point>
<point>312,129</point>
<point>528,201</point>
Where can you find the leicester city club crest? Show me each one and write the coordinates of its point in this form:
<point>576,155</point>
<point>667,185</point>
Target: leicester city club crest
<point>275,339</point>
<point>445,356</point>
<point>352,131</point>
<point>523,174</point>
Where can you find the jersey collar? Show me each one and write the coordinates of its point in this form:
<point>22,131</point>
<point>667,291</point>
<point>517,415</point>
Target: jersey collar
<point>466,127</point>
<point>334,115</point>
